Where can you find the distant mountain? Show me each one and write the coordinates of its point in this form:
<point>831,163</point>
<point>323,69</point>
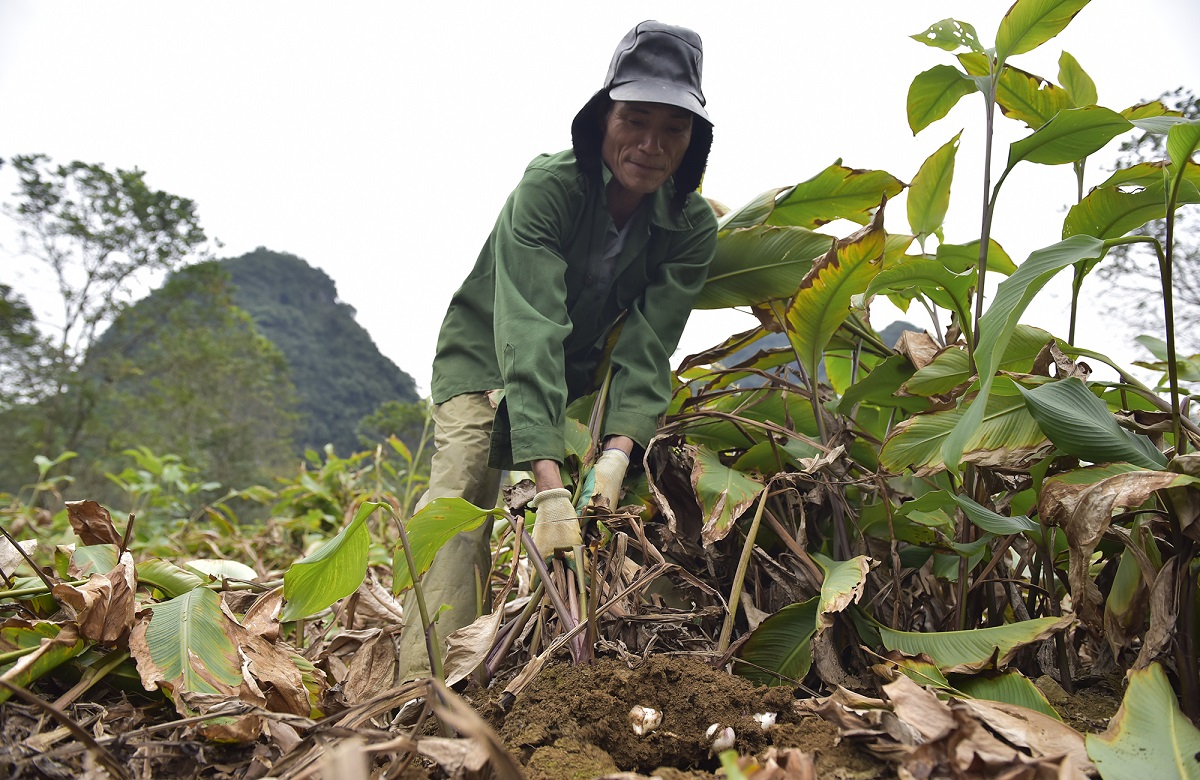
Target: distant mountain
<point>339,374</point>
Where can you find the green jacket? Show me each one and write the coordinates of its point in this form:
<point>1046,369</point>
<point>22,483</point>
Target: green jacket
<point>523,319</point>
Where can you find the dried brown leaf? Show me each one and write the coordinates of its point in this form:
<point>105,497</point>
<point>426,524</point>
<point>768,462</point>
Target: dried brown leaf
<point>372,669</point>
<point>104,605</point>
<point>10,556</point>
<point>919,348</point>
<point>458,758</point>
<point>1164,612</point>
<point>1042,735</point>
<point>1085,512</point>
<point>262,618</point>
<point>92,523</point>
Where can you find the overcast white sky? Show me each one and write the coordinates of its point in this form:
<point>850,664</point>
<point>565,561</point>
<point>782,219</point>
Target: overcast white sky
<point>378,140</point>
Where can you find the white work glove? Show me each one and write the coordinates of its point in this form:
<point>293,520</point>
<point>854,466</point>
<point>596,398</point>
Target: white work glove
<point>556,526</point>
<point>610,474</point>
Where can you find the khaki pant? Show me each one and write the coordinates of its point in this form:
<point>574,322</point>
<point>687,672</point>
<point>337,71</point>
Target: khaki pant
<point>458,577</point>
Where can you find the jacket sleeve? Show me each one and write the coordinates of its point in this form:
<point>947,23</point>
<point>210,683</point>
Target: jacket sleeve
<point>641,383</point>
<point>531,321</point>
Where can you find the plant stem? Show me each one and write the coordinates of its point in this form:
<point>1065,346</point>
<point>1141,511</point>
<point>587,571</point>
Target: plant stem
<point>429,629</point>
<point>1165,261</point>
<point>1077,282</point>
<point>739,577</point>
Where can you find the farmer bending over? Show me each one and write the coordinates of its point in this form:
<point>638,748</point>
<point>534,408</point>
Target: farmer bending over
<point>609,230</point>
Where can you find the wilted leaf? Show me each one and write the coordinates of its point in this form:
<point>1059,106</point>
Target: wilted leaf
<point>837,192</point>
<point>949,34</point>
<point>104,605</point>
<point>1085,511</point>
<point>92,523</point>
<point>1149,736</point>
<point>823,301</point>
<point>372,669</point>
<point>964,652</point>
<point>723,493</point>
<point>467,647</point>
<point>843,586</point>
<point>1021,95</point>
<point>10,556</point>
<point>56,644</point>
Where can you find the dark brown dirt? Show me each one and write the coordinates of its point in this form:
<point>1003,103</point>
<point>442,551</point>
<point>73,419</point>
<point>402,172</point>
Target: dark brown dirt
<point>572,722</point>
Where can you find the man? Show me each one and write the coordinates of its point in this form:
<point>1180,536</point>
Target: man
<point>606,238</point>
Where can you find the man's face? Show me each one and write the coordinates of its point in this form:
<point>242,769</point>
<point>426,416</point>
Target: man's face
<point>644,143</point>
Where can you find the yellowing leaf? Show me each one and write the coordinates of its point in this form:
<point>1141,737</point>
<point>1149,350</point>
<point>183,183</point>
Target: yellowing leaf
<point>1149,736</point>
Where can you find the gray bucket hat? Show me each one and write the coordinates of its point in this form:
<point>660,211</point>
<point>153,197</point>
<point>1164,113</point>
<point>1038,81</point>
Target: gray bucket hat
<point>659,63</point>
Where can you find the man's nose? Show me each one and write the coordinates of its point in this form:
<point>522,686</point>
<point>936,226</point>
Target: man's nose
<point>651,143</point>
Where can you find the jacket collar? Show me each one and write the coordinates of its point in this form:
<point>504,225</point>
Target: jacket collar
<point>660,203</point>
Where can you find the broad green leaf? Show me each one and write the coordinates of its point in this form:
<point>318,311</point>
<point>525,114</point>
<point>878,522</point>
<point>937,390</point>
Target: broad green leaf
<point>823,301</point>
<point>167,577</point>
<point>188,644</point>
<point>56,644</point>
<point>222,569</point>
<point>950,34</point>
<point>1070,136</point>
<point>781,644</point>
<point>991,521</point>
<point>753,213</point>
<point>1090,475</point>
<point>929,193</point>
<point>723,493</point>
<point>578,438</point>
<point>933,93</point>
<point>1110,213</point>
<point>758,264</point>
<point>1080,424</point>
<point>920,670</point>
<point>837,192</point>
<point>1010,687</point>
<point>1021,95</point>
<point>1144,174</point>
<point>90,559</point>
<point>963,257</point>
<point>843,585</point>
<point>428,530</point>
<point>879,387</point>
<point>1076,81</point>
<point>333,570</point>
<point>1030,23</point>
<point>965,652</point>
<point>1000,320</point>
<point>1149,736</point>
<point>1005,436</point>
<point>950,368</point>
<point>927,276</point>
<point>1182,140</point>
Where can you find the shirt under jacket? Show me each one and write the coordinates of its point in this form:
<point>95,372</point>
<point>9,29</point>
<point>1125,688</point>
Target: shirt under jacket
<point>533,314</point>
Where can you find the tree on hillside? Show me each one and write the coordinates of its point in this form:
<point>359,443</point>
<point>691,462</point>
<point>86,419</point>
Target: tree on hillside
<point>1133,269</point>
<point>186,372</point>
<point>339,373</point>
<point>101,234</point>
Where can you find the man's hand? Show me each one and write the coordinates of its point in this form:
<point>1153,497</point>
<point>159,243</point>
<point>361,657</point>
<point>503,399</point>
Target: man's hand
<point>610,473</point>
<point>556,526</point>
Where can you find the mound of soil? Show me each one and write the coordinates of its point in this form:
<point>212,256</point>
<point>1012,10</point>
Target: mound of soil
<point>573,722</point>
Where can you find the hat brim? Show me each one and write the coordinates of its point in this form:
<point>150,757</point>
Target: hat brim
<point>656,91</point>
